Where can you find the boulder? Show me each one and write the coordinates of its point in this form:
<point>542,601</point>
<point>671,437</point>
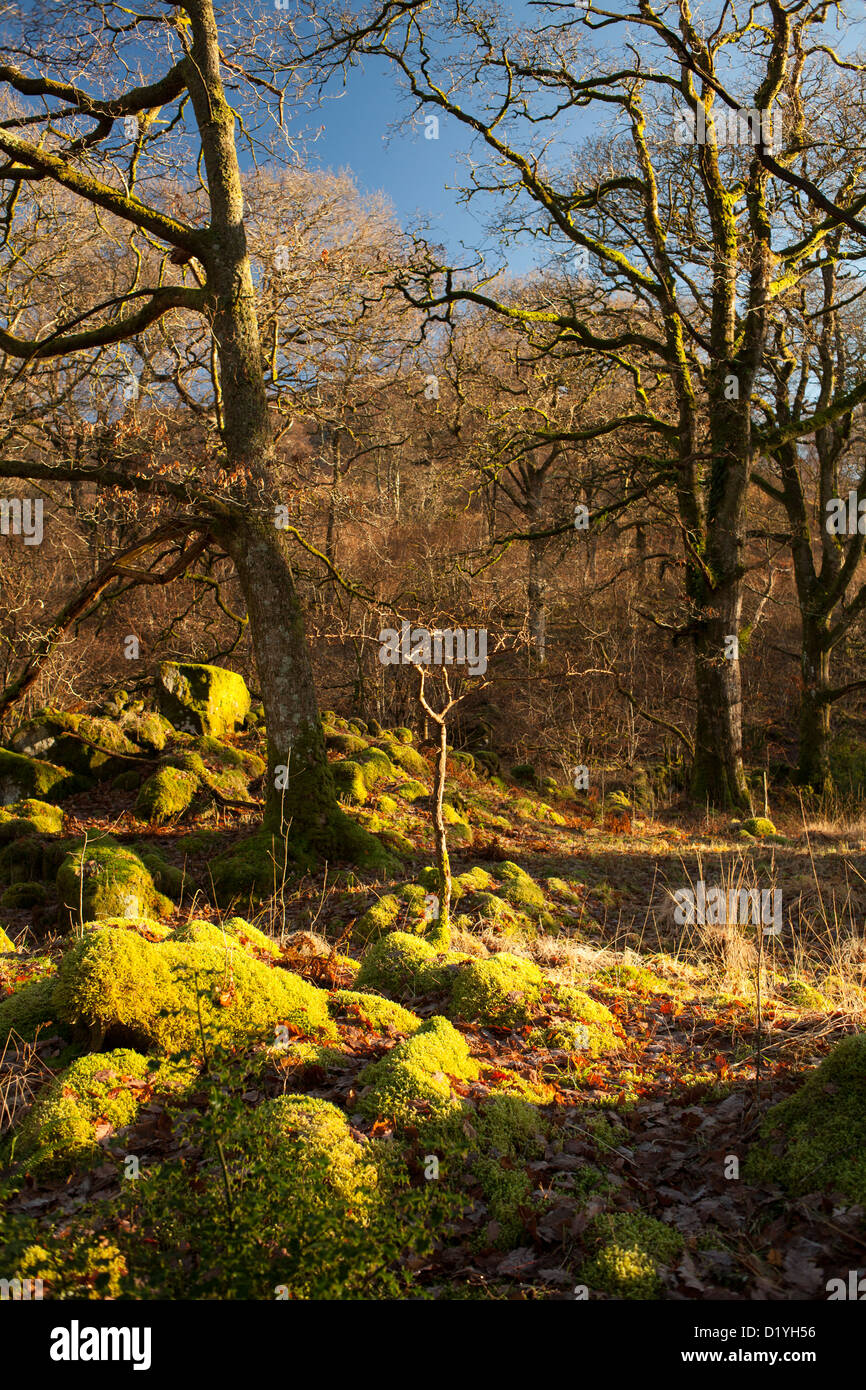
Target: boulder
<point>202,699</point>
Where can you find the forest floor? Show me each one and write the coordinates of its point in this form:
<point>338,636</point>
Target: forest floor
<point>712,1026</point>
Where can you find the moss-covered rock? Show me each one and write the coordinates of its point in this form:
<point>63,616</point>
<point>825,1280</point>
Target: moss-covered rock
<point>151,730</point>
<point>501,991</point>
<point>347,744</point>
<point>519,888</point>
<point>631,1247</point>
<point>372,1011</point>
<point>412,790</point>
<point>409,759</point>
<point>24,895</point>
<point>404,966</point>
<point>416,1074</point>
<point>102,879</point>
<point>350,783</point>
<point>6,943</point>
<point>305,1147</point>
<point>30,816</point>
<point>166,795</point>
<point>30,859</point>
<point>816,1139</point>
<point>458,831</point>
<point>759,827</point>
<point>117,983</point>
<point>85,745</point>
<point>475,880</point>
<point>166,878</point>
<point>108,1088</point>
<point>27,1009</point>
<point>202,699</point>
<point>375,767</point>
<point>22,778</point>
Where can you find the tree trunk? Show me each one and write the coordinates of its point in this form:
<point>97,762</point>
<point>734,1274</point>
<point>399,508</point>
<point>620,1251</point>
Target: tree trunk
<point>813,764</point>
<point>443,863</point>
<point>303,797</point>
<point>536,591</point>
<point>718,775</point>
<point>300,789</point>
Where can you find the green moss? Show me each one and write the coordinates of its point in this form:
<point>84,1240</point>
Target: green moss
<point>524,773</point>
<point>29,816</point>
<point>404,966</point>
<point>81,1266</point>
<point>624,975</point>
<point>347,744</point>
<point>30,1006</point>
<point>493,908</point>
<point>409,759</point>
<point>565,891</point>
<point>374,1012</point>
<point>416,1072</point>
<point>24,895</point>
<point>203,699</point>
<point>166,795</point>
<point>222,756</point>
<point>475,880</point>
<point>58,1132</point>
<point>153,731</point>
<point>411,790</point>
<point>30,859</point>
<point>6,942</point>
<point>167,879</point>
<point>805,996</point>
<point>758,827</point>
<point>517,887</point>
<point>816,1139</point>
<point>631,1248</point>
<point>590,1028</point>
<point>117,982</point>
<point>102,879</point>
<point>22,777</point>
<point>502,991</point>
<point>349,781</point>
<point>458,830</point>
<point>402,734</point>
<point>375,767</point>
<point>308,1146</point>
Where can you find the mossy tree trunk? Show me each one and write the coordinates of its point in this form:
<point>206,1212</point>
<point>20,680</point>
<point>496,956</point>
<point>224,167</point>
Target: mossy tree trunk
<point>300,793</point>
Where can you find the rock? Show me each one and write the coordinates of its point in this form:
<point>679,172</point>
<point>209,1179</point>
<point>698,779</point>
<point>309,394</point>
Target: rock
<point>165,994</point>
<point>103,879</point>
<point>203,699</point>
<point>22,776</point>
<point>86,745</point>
<point>165,795</point>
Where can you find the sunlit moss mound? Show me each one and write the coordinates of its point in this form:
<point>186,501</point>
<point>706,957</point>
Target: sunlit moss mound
<point>30,816</point>
<point>59,1131</point>
<point>372,1011</point>
<point>307,1144</point>
<point>166,794</point>
<point>415,1074</point>
<point>501,991</point>
<point>118,984</point>
<point>104,879</point>
<point>404,966</point>
<point>816,1139</point>
<point>28,1007</point>
<point>631,1247</point>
